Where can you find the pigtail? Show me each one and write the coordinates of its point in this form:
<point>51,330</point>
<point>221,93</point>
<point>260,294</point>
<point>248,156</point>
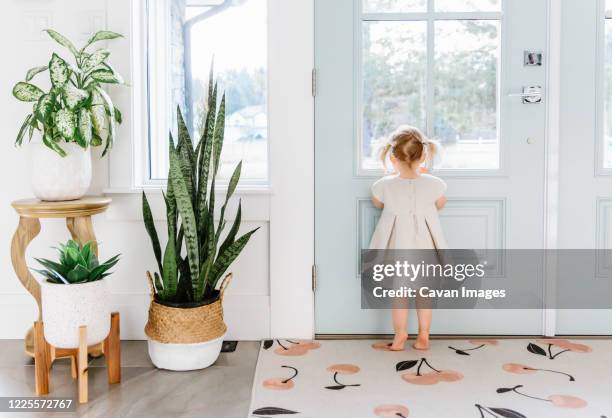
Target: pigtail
<point>433,148</point>
<point>407,144</point>
<point>384,153</point>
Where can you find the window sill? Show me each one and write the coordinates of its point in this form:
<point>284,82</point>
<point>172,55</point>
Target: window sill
<point>241,190</point>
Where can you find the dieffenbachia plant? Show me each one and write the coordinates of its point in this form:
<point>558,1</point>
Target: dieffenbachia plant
<point>76,108</point>
<point>190,211</point>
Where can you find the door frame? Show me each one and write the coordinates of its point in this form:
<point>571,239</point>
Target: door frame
<point>551,163</point>
<point>291,132</point>
<point>291,263</point>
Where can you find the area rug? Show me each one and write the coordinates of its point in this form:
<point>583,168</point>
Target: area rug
<point>505,378</point>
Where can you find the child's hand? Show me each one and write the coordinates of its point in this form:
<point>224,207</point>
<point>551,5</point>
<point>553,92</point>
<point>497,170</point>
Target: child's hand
<point>441,202</point>
<point>377,203</point>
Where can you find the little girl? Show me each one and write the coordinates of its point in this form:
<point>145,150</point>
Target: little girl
<point>410,201</point>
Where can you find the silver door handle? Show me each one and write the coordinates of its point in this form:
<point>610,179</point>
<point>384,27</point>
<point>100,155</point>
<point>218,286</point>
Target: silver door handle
<point>530,94</point>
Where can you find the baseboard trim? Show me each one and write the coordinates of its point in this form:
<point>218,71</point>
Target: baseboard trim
<point>456,337</point>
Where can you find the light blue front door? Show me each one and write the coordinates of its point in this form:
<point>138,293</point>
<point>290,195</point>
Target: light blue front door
<point>454,69</point>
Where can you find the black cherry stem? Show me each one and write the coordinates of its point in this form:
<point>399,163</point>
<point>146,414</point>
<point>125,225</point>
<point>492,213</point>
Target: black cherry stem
<point>424,360</point>
<point>571,378</point>
<point>342,384</point>
<point>550,354</point>
<point>466,349</point>
<point>295,371</point>
<point>279,343</point>
<point>429,365</point>
<point>514,389</point>
<point>481,408</point>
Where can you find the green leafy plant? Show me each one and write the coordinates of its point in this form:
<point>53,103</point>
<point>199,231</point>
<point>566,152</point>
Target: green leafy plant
<point>77,264</point>
<point>190,209</point>
<point>76,108</point>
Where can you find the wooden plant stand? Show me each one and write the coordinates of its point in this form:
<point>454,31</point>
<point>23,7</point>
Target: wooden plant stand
<point>78,215</point>
<point>45,354</point>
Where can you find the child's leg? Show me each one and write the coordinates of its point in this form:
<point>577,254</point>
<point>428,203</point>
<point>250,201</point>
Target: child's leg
<point>424,314</point>
<point>422,341</point>
<point>399,314</point>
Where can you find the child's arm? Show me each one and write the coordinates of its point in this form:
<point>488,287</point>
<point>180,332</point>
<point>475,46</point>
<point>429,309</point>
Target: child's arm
<point>377,203</point>
<point>441,202</point>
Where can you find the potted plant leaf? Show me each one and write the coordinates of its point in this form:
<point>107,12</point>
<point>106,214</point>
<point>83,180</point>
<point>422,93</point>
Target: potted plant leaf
<point>72,116</point>
<point>75,293</point>
<point>185,325</point>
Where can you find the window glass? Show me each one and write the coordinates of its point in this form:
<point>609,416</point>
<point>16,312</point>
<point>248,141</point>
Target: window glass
<point>394,82</point>
<point>607,150</point>
<point>465,99</point>
<point>199,35</point>
<point>394,6</point>
<point>468,5</point>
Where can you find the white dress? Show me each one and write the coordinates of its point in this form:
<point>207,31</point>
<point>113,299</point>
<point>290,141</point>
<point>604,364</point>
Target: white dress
<point>410,218</point>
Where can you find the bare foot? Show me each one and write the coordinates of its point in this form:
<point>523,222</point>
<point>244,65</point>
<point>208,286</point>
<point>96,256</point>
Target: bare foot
<point>421,343</point>
<point>398,342</point>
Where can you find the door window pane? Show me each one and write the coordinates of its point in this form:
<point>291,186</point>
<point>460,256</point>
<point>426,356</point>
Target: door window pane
<point>607,151</point>
<point>465,82</point>
<point>468,5</point>
<point>394,6</point>
<point>394,82</point>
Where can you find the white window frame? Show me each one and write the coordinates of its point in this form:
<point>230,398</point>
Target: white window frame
<point>155,97</point>
<point>287,201</point>
<point>430,16</point>
<point>600,119</point>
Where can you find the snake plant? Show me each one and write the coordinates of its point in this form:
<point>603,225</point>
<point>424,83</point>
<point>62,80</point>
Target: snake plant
<point>77,264</point>
<point>190,209</point>
<point>76,108</point>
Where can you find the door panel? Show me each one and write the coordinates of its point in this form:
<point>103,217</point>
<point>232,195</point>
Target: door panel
<point>376,70</point>
<point>585,179</point>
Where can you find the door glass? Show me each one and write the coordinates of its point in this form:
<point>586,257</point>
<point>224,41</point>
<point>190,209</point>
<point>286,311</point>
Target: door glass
<point>465,109</point>
<point>394,6</point>
<point>607,150</point>
<point>394,82</point>
<point>447,86</point>
<point>468,5</point>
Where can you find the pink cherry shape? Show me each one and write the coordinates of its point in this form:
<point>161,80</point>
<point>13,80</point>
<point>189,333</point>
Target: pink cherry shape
<point>391,411</point>
<point>278,383</point>
<point>343,369</point>
<point>485,342</point>
<point>567,345</point>
<point>518,368</point>
<point>567,401</point>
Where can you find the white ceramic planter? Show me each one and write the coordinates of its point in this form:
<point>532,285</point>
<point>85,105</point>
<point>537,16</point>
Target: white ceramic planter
<point>56,178</point>
<point>184,357</point>
<point>65,307</point>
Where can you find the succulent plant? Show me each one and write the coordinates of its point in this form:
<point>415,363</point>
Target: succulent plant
<point>76,108</point>
<point>190,209</point>
<point>77,264</point>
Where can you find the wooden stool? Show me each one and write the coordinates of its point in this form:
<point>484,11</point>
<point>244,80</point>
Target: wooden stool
<point>45,354</point>
<point>78,220</point>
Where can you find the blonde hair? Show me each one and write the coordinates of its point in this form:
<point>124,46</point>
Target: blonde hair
<point>407,145</point>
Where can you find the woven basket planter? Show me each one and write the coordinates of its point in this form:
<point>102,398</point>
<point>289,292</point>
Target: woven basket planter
<point>186,338</point>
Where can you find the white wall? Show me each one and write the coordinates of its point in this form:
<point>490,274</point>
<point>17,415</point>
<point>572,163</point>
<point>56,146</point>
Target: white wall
<point>247,304</point>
